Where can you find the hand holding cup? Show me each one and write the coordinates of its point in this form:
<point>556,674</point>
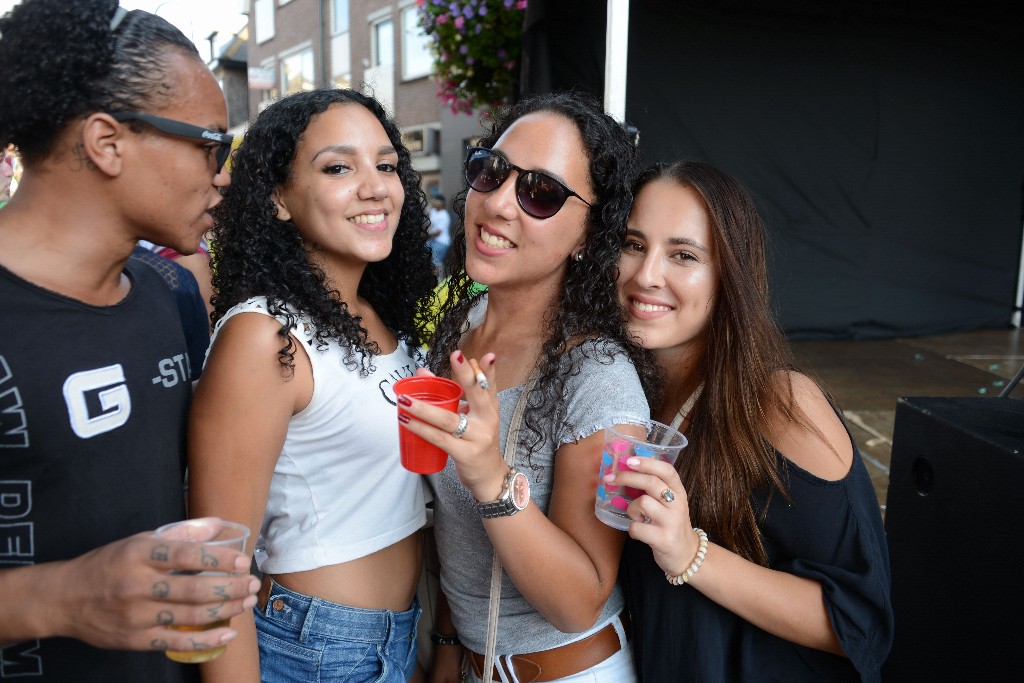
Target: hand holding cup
<point>613,497</point>
<point>123,595</point>
<point>204,534</point>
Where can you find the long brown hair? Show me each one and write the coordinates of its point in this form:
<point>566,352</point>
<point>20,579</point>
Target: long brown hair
<point>729,460</point>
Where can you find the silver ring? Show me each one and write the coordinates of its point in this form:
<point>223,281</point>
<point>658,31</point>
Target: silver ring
<point>463,424</point>
<point>668,496</point>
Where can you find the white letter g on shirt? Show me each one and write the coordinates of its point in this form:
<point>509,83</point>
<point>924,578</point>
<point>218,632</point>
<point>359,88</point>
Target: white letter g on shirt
<point>114,401</point>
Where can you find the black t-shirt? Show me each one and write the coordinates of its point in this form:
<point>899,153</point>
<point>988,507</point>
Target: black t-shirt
<point>93,408</point>
<point>831,533</point>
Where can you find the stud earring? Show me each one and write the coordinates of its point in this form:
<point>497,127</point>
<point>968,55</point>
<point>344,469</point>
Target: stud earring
<point>578,256</point>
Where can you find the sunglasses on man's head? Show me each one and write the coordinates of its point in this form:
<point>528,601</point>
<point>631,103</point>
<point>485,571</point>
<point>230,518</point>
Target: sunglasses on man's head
<point>538,194</point>
<point>183,130</point>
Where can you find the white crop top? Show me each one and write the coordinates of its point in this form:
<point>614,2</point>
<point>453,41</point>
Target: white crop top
<point>339,491</point>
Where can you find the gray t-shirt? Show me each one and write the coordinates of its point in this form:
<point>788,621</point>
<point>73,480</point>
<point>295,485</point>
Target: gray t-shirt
<point>602,393</point>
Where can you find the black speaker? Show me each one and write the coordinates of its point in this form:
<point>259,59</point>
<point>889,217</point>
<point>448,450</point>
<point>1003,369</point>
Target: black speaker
<point>955,525</point>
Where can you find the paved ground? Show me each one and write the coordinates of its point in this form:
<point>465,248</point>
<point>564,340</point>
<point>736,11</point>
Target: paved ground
<point>867,378</point>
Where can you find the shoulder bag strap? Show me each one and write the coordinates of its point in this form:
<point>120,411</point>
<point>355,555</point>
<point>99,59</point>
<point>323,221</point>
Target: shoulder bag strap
<point>511,442</point>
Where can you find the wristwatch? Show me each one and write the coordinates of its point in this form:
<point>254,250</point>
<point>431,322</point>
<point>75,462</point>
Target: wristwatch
<point>515,495</point>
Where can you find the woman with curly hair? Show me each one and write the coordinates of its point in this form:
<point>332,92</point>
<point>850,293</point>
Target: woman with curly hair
<point>119,124</point>
<point>321,272</point>
<point>544,219</point>
<point>761,555</point>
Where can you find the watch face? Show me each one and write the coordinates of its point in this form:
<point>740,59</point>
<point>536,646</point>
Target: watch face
<point>520,490</point>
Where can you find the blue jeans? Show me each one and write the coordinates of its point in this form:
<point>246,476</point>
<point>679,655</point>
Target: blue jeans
<point>304,639</point>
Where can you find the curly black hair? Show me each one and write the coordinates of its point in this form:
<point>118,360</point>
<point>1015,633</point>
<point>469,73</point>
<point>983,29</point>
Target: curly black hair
<point>258,254</point>
<point>588,304</point>
<point>61,60</point>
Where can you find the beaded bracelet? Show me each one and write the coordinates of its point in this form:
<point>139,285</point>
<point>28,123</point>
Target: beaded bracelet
<point>441,639</point>
<point>698,559</point>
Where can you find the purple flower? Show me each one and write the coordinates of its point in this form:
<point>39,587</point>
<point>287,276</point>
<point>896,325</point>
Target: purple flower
<point>508,3</point>
<point>463,49</point>
<point>469,60</point>
<point>479,28</point>
<point>442,18</point>
<point>482,11</point>
<point>502,53</point>
<point>467,11</point>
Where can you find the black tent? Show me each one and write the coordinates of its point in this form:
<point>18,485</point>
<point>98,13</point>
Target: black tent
<point>883,141</point>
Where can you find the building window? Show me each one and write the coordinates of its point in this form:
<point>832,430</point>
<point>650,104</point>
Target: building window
<point>339,16</point>
<point>297,72</point>
<point>416,58</point>
<point>264,20</point>
<point>383,43</point>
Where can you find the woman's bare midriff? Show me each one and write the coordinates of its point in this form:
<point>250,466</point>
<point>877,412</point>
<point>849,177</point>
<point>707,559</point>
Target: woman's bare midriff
<point>387,579</point>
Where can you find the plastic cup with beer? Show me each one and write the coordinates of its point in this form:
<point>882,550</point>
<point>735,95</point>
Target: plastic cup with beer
<point>662,442</point>
<point>418,455</point>
<point>208,531</point>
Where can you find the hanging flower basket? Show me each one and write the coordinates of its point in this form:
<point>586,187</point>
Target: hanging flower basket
<point>477,45</point>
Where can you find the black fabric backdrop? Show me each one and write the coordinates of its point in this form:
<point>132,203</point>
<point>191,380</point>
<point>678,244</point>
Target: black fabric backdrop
<point>883,142</point>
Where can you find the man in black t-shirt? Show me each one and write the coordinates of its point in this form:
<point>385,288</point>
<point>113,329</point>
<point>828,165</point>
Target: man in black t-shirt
<point>118,128</point>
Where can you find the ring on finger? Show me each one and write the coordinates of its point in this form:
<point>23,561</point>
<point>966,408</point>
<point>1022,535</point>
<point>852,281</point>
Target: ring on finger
<point>463,424</point>
<point>668,496</point>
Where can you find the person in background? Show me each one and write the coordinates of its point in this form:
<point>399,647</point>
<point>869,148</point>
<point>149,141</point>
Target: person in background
<point>198,264</point>
<point>760,556</point>
<point>118,122</point>
<point>322,273</point>
<point>549,192</point>
<point>440,233</point>
<point>8,168</point>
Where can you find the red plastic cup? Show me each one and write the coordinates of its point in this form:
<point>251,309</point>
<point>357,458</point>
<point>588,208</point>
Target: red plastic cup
<point>418,455</point>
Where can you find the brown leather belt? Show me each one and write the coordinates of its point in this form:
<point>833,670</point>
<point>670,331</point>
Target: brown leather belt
<point>550,665</point>
<point>263,594</point>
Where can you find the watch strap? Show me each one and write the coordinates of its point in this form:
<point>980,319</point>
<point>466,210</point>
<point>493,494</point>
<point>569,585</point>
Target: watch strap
<point>505,505</point>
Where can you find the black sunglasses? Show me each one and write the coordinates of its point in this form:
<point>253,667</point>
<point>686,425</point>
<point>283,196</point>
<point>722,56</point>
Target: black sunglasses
<point>183,130</point>
<point>538,194</point>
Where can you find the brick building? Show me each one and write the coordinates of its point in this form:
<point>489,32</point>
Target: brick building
<point>375,46</point>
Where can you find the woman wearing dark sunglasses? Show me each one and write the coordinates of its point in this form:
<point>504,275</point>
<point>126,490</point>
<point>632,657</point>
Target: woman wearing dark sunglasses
<point>543,221</point>
<point>321,274</point>
<point>94,372</point>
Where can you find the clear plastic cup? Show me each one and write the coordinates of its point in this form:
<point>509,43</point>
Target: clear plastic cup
<point>662,442</point>
<point>208,531</point>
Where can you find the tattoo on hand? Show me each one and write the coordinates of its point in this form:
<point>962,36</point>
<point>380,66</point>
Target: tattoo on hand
<point>159,644</point>
<point>206,559</point>
<point>160,553</point>
<point>197,646</point>
<point>161,589</point>
<point>221,591</point>
<point>214,612</point>
<point>165,617</point>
